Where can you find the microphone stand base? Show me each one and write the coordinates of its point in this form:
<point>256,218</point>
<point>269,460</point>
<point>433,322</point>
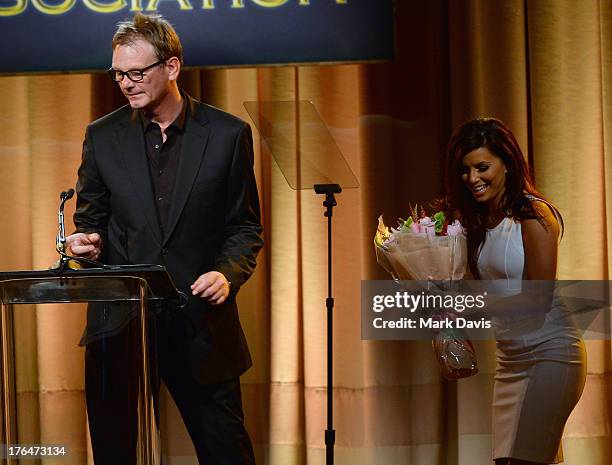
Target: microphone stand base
<point>62,264</point>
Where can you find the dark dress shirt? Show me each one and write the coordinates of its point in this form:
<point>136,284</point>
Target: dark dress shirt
<point>163,160</point>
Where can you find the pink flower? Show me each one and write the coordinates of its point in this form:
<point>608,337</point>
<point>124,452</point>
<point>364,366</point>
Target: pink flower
<point>428,226</point>
<point>455,229</point>
<point>416,228</point>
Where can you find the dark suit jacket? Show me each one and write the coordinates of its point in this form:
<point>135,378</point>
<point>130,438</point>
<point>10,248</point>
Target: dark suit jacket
<point>213,224</point>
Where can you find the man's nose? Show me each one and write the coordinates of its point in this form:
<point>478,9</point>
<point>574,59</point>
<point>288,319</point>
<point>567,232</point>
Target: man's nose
<point>126,82</point>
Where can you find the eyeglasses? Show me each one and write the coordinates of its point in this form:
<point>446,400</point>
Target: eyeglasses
<point>135,75</point>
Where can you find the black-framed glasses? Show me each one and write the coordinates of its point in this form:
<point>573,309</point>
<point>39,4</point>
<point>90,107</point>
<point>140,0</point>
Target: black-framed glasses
<point>134,75</point>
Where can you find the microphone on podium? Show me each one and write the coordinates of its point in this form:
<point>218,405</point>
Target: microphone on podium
<point>66,195</point>
<point>65,260</point>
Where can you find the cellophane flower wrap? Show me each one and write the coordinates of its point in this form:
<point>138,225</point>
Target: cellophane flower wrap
<point>429,249</point>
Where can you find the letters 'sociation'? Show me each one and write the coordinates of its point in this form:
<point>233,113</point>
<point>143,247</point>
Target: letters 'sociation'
<point>115,6</point>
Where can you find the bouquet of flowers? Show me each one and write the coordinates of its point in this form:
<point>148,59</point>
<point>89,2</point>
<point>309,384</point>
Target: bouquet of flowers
<point>428,249</point>
<point>422,248</point>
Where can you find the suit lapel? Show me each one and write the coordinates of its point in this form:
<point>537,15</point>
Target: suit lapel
<point>130,140</point>
<point>193,146</point>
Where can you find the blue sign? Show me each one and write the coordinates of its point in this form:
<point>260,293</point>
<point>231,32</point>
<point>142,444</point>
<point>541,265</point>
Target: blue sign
<point>75,35</point>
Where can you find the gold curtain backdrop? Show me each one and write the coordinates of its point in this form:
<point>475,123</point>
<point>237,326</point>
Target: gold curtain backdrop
<point>543,66</point>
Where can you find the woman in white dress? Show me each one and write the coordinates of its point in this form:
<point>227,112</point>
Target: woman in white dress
<point>513,233</point>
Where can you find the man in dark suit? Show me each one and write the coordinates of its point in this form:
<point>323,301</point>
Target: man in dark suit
<point>168,180</point>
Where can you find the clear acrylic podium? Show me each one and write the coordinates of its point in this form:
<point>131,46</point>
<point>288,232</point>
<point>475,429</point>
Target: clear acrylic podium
<point>128,283</point>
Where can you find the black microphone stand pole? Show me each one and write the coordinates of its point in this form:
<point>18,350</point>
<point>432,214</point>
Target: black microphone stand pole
<point>330,202</point>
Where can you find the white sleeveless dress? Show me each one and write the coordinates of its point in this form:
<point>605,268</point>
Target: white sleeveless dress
<point>541,373</point>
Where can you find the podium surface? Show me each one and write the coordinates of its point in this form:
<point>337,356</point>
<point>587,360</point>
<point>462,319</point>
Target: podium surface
<point>137,283</point>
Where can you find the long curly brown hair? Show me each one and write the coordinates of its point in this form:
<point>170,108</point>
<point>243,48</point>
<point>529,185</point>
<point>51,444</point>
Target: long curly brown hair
<point>499,140</point>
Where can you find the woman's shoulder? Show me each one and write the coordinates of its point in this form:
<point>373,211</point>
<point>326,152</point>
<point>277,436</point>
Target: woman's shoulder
<point>540,232</point>
<point>541,219</point>
<point>536,208</point>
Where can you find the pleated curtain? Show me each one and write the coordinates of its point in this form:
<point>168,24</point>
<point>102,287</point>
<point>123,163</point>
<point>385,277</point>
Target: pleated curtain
<point>543,66</point>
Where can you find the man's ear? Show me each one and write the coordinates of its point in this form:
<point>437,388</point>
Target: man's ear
<point>174,68</point>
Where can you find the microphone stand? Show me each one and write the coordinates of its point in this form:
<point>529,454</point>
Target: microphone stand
<point>330,202</point>
<point>71,262</point>
<point>60,242</point>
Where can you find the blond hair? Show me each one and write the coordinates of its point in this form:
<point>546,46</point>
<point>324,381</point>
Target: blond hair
<point>153,29</point>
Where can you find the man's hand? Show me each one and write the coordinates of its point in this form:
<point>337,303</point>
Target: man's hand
<point>212,286</point>
<point>84,245</point>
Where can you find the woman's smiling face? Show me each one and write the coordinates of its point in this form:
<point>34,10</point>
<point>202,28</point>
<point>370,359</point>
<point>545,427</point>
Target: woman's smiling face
<point>484,174</point>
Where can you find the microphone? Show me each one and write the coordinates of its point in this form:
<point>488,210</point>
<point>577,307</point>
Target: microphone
<point>60,243</point>
<point>60,240</point>
<point>66,195</point>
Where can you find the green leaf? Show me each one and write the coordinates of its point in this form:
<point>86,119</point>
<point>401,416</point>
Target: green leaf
<point>439,216</point>
<point>439,220</point>
<point>407,224</point>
